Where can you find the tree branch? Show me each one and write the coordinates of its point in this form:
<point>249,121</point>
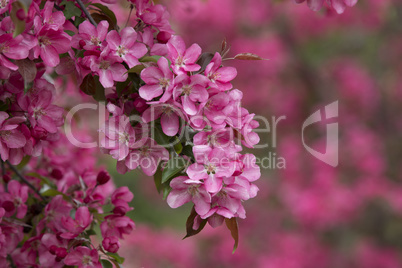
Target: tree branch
<point>84,9</point>
<point>19,175</point>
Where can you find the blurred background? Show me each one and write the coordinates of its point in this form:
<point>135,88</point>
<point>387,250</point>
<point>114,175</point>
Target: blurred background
<point>307,214</point>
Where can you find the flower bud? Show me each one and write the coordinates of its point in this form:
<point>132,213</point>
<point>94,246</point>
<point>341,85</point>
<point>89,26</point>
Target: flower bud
<point>82,44</point>
<point>163,37</point>
<point>8,206</point>
<point>53,249</point>
<point>111,244</point>
<point>61,253</point>
<point>6,178</point>
<point>121,211</point>
<point>56,174</point>
<point>103,177</point>
<point>21,14</point>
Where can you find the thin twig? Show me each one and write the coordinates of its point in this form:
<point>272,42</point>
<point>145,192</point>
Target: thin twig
<point>3,169</point>
<point>19,175</point>
<point>129,15</point>
<point>84,9</point>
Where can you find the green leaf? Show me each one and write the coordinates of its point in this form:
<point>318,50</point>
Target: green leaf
<point>150,59</point>
<point>19,25</point>
<point>99,91</point>
<point>43,179</point>
<point>174,166</point>
<point>78,21</point>
<point>24,162</point>
<point>116,256</point>
<point>70,33</point>
<point>190,224</point>
<point>136,69</point>
<point>158,180</point>
<point>160,137</point>
<point>90,232</point>
<point>53,192</point>
<point>121,86</point>
<point>166,191</point>
<point>188,151</point>
<point>178,147</point>
<point>105,10</point>
<point>106,264</point>
<point>3,106</point>
<point>25,4</point>
<point>231,224</point>
<point>71,10</point>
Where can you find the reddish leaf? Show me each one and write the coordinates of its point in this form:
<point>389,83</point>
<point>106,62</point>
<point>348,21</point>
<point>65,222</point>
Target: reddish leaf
<point>204,60</point>
<point>27,69</point>
<point>234,231</point>
<point>247,56</point>
<point>224,45</point>
<point>190,224</point>
<point>88,85</point>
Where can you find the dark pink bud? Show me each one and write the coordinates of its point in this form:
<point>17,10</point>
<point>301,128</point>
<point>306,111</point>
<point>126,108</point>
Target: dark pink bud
<point>56,174</point>
<point>87,199</point>
<point>111,244</point>
<point>121,211</point>
<point>103,177</point>
<point>140,105</point>
<point>61,253</point>
<point>39,133</point>
<point>163,37</point>
<point>21,14</point>
<point>53,249</point>
<point>82,44</point>
<point>8,206</point>
<point>6,178</point>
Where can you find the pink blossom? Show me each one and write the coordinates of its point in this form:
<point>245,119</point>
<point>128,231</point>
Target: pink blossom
<point>125,46</point>
<point>76,226</point>
<point>221,138</point>
<point>169,114</point>
<point>219,77</point>
<point>147,154</point>
<point>158,80</point>
<point>155,15</point>
<point>14,200</point>
<point>183,60</point>
<point>212,166</point>
<point>10,136</point>
<point>83,257</point>
<point>51,43</point>
<point>42,112</point>
<point>111,244</point>
<point>12,48</point>
<point>191,91</point>
<point>119,136</point>
<point>108,69</point>
<point>54,19</point>
<point>120,199</point>
<point>338,5</point>
<point>90,37</point>
<point>217,110</point>
<point>185,190</point>
<point>116,226</point>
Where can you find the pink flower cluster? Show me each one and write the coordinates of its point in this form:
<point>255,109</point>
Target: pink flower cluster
<point>338,5</point>
<point>60,221</point>
<point>181,90</point>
